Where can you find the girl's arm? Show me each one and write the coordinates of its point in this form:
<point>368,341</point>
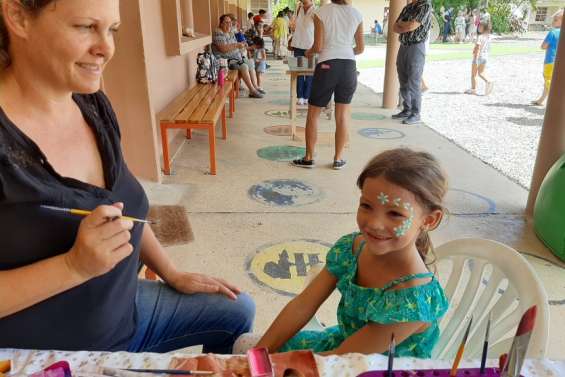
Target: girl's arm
<point>263,55</point>
<point>375,338</point>
<point>298,311</point>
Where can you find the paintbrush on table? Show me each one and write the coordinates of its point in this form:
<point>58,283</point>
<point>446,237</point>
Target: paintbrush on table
<point>517,354</point>
<point>391,352</point>
<point>485,346</point>
<point>453,372</point>
<point>132,372</point>
<point>82,212</point>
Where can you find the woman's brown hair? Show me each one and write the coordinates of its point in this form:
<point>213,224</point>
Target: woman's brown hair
<point>34,7</point>
<point>417,172</point>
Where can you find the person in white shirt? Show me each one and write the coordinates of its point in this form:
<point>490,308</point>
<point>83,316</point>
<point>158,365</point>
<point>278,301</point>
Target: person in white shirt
<point>302,40</point>
<point>337,27</point>
<point>480,59</point>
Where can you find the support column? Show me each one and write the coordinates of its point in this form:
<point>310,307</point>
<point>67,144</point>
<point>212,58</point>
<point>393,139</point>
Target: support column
<point>391,86</point>
<point>187,15</point>
<point>552,140</point>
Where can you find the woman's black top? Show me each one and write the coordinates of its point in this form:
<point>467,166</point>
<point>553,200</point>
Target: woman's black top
<point>99,314</point>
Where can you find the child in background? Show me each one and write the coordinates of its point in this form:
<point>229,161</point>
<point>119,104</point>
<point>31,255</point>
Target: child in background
<point>280,36</point>
<point>260,57</point>
<point>382,271</point>
<point>550,44</point>
<point>480,59</point>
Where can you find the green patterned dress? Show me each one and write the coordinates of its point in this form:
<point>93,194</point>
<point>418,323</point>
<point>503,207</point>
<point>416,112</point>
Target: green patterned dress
<point>361,305</point>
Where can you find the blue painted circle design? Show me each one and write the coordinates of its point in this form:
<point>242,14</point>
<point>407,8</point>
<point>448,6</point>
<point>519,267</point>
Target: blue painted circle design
<point>381,133</point>
<point>281,152</point>
<point>284,193</point>
<point>367,116</point>
<point>469,203</point>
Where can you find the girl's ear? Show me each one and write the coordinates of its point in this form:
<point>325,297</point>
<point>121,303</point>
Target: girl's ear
<point>16,18</point>
<point>433,219</point>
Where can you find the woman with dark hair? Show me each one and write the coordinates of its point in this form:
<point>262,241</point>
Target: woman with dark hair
<point>225,45</point>
<point>66,282</point>
<point>337,27</point>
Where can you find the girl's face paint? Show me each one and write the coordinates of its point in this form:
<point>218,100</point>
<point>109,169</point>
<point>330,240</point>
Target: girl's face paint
<point>388,216</point>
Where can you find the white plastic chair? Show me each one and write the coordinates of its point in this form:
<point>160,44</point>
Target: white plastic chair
<point>507,289</point>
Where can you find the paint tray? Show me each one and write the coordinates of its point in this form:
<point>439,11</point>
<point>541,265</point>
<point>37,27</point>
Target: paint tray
<point>463,372</point>
<point>260,362</point>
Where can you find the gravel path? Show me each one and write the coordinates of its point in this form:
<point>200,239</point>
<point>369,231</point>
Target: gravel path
<point>501,129</point>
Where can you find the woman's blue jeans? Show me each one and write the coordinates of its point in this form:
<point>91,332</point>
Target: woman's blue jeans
<point>168,320</point>
<point>304,84</point>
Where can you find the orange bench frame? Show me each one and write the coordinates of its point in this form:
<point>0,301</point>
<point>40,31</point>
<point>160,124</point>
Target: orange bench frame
<point>199,107</point>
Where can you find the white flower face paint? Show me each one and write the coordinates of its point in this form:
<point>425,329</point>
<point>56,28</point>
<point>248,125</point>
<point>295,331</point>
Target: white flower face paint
<point>401,230</point>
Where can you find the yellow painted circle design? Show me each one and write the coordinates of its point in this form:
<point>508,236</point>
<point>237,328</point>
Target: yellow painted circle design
<point>284,266</point>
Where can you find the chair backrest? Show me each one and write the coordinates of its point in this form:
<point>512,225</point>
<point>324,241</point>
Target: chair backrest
<point>487,276</point>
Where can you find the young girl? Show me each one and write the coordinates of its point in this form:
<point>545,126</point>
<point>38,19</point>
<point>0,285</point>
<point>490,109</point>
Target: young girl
<point>260,59</point>
<point>382,271</point>
<point>280,35</point>
<point>480,58</point>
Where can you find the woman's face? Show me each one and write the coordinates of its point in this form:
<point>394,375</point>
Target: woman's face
<point>226,24</point>
<point>70,42</point>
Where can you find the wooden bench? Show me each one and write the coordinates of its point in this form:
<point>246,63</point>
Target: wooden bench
<point>198,107</point>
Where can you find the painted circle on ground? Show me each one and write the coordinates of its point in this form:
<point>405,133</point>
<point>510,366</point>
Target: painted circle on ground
<point>284,193</point>
<point>280,101</point>
<point>282,130</point>
<point>461,202</point>
<point>281,152</point>
<point>367,116</point>
<point>284,266</point>
<point>300,113</point>
<point>381,133</point>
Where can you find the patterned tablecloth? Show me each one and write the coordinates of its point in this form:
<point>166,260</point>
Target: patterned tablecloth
<point>27,362</point>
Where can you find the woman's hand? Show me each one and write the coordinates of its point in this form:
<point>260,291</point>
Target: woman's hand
<point>101,243</point>
<point>308,53</point>
<point>189,283</point>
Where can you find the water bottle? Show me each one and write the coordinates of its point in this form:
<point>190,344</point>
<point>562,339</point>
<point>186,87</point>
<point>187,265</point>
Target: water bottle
<point>221,77</point>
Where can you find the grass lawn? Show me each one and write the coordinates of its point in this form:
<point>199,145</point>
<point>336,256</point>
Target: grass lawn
<point>451,51</point>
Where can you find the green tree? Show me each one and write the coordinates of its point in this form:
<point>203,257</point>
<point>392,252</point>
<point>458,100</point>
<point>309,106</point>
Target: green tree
<point>501,12</point>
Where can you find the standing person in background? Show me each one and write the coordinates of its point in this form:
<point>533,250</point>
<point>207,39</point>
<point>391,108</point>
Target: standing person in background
<point>250,24</point>
<point>446,17</point>
<point>413,25</point>
<point>280,35</point>
<point>550,44</point>
<point>480,59</point>
<point>336,26</point>
<point>460,25</point>
<point>302,40</point>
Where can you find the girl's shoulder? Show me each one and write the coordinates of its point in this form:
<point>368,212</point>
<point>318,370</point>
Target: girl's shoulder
<point>341,256</point>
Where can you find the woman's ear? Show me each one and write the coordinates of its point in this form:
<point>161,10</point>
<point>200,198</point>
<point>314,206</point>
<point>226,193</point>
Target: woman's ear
<point>432,219</point>
<point>16,18</point>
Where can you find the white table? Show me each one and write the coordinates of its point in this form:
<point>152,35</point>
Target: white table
<point>28,361</point>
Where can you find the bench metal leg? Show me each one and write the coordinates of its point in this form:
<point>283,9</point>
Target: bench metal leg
<point>189,133</point>
<point>212,141</point>
<point>224,126</point>
<point>165,143</point>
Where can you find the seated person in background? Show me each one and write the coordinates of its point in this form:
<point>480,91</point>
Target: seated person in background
<point>225,45</point>
<point>70,282</point>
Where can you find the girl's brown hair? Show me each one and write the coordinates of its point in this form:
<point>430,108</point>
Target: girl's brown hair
<point>417,172</point>
<point>34,7</point>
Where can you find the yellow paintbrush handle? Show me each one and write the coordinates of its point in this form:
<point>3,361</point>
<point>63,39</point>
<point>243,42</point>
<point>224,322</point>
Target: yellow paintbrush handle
<point>81,212</point>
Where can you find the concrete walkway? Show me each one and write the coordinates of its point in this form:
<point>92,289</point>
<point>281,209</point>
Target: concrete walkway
<point>262,223</point>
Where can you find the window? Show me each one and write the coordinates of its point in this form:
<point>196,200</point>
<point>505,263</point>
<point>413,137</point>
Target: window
<point>541,14</point>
